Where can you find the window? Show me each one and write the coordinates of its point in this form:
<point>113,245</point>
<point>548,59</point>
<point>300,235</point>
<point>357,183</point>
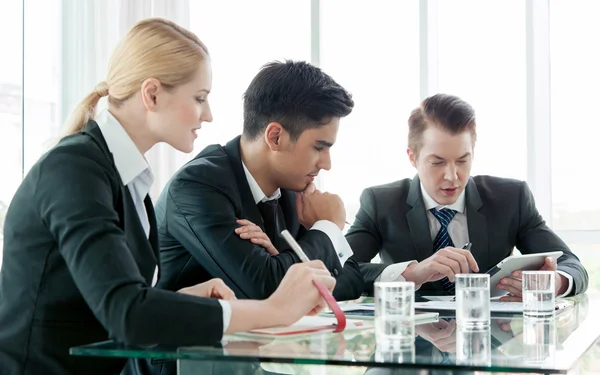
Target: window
<point>378,62</point>
<point>10,105</point>
<point>481,47</point>
<point>575,80</point>
<point>41,79</point>
<point>588,255</point>
<point>242,36</point>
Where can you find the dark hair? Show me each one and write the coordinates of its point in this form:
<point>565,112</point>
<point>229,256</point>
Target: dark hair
<point>296,94</point>
<point>447,112</point>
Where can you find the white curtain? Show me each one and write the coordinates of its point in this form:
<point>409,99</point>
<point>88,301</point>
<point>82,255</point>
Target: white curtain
<point>90,31</point>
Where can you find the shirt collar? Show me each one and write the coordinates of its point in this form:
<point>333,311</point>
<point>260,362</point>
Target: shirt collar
<point>458,206</point>
<point>257,192</point>
<point>128,159</point>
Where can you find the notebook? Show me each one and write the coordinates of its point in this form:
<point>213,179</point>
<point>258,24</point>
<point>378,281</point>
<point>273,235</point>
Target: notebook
<point>366,311</point>
<point>307,325</point>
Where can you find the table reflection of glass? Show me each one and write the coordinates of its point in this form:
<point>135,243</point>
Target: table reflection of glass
<point>394,352</point>
<point>539,340</point>
<point>515,345</point>
<point>473,346</point>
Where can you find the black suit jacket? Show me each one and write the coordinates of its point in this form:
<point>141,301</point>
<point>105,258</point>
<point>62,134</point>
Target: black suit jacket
<point>197,214</point>
<point>501,215</point>
<point>77,269</point>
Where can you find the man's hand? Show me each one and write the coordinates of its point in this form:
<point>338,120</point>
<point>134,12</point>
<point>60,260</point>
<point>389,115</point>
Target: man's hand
<point>214,288</point>
<point>446,262</point>
<point>442,334</point>
<point>313,205</point>
<point>252,232</point>
<point>514,284</point>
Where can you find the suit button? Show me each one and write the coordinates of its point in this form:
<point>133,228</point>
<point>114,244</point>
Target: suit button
<point>335,272</point>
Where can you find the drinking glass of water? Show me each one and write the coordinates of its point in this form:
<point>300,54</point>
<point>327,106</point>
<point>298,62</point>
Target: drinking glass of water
<point>472,300</point>
<point>538,294</point>
<point>395,312</point>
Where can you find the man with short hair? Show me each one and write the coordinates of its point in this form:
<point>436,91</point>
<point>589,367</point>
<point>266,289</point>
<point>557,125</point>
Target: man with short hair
<point>221,214</point>
<point>418,226</point>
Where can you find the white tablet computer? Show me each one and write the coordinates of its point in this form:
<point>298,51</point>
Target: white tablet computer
<point>513,263</point>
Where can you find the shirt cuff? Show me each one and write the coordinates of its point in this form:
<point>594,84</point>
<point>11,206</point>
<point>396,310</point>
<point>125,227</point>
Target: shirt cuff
<point>226,314</point>
<point>340,244</point>
<point>570,288</point>
<point>393,272</point>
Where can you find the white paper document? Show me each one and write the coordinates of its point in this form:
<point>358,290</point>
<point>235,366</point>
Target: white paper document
<point>505,307</point>
<point>499,307</point>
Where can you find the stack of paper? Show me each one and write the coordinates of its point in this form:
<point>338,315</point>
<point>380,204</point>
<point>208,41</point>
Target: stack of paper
<point>310,324</point>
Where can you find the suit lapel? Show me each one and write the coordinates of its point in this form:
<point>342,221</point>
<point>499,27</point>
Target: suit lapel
<point>232,149</point>
<point>477,225</point>
<point>417,221</point>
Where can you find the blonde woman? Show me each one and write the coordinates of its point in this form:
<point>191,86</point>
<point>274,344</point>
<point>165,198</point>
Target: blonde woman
<point>80,244</point>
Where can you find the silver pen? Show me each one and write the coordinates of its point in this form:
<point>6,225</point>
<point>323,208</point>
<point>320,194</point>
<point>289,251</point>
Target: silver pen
<point>294,245</point>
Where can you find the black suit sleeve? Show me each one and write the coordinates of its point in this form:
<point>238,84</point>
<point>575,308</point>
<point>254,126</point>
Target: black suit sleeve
<point>535,236</point>
<point>203,219</point>
<point>76,201</point>
<point>365,240</point>
<point>349,284</point>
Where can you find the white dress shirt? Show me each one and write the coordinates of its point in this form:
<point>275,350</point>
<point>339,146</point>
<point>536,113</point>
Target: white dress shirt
<point>136,174</point>
<point>457,229</point>
<point>340,244</point>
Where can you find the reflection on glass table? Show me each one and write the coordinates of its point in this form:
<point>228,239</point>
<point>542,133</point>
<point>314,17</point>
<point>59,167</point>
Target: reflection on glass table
<point>515,345</point>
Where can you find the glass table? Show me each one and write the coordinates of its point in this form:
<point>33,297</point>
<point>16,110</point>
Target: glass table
<point>512,344</point>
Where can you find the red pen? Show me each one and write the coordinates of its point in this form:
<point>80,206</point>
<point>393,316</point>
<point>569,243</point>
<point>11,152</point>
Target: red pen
<point>331,302</point>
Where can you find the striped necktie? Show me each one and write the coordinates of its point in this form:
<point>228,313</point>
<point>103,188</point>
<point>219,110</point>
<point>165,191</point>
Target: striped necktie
<point>442,240</point>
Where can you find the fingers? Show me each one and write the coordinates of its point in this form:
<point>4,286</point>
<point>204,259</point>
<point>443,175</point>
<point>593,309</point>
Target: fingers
<point>256,236</point>
<point>444,333</point>
<point>244,222</point>
<point>549,265</point>
<point>299,207</point>
<point>310,188</point>
<point>316,264</point>
<point>505,327</point>
<point>248,228</point>
<point>253,234</point>
<point>313,269</point>
<point>326,280</point>
<point>470,259</point>
<point>318,308</point>
<point>266,244</point>
<point>220,290</point>
<point>443,270</point>
<point>513,286</point>
<point>461,266</point>
<point>441,324</point>
<point>450,262</point>
<point>468,256</point>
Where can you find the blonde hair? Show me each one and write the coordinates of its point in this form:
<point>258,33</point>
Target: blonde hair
<point>153,48</point>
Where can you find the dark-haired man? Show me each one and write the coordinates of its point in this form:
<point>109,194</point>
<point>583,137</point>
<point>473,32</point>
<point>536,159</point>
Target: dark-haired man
<point>221,215</point>
<point>418,226</point>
